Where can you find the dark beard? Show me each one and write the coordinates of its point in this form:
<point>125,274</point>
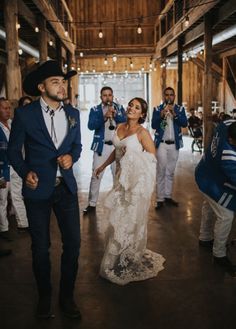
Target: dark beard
<point>55,97</point>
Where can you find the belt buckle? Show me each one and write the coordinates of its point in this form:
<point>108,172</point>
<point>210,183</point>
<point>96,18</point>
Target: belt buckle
<point>57,181</point>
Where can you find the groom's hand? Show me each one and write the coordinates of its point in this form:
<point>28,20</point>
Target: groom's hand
<point>65,161</point>
<point>32,180</point>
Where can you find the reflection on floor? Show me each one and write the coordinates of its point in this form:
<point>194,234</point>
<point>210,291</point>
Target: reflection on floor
<point>191,292</point>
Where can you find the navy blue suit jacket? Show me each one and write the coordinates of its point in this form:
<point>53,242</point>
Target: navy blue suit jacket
<point>29,130</point>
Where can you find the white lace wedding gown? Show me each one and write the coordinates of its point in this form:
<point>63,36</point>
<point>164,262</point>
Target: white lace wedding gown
<point>126,258</point>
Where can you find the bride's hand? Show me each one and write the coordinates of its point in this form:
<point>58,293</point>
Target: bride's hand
<point>97,171</point>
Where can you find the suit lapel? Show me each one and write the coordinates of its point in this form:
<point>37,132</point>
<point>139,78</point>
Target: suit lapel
<point>40,120</point>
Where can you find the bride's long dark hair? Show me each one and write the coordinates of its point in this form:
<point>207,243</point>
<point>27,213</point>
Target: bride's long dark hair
<point>144,107</point>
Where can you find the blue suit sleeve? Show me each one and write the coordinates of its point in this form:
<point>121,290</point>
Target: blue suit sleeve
<point>15,145</point>
<point>156,118</point>
<point>228,165</point>
<point>96,120</point>
<point>122,117</point>
<point>181,118</point>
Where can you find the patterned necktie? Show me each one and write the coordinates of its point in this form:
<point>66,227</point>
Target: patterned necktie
<point>53,131</point>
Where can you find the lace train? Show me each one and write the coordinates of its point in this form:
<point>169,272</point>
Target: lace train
<point>126,258</point>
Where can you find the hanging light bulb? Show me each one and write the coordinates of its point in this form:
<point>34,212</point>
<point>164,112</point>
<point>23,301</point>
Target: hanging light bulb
<point>66,33</point>
<point>78,68</point>
<point>131,64</point>
<point>36,29</point>
<point>186,22</point>
<point>114,58</point>
<point>139,29</point>
<point>72,67</point>
<point>50,43</point>
<point>65,65</point>
<point>105,61</point>
<point>81,54</point>
<point>17,26</point>
<point>20,51</point>
<point>100,33</point>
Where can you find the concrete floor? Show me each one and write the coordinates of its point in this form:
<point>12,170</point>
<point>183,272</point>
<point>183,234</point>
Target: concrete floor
<point>191,292</point>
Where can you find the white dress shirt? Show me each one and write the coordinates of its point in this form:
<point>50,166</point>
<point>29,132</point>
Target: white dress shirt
<point>60,124</point>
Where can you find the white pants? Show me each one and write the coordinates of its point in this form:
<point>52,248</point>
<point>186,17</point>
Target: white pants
<point>222,227</point>
<point>95,182</point>
<point>14,187</point>
<point>167,157</point>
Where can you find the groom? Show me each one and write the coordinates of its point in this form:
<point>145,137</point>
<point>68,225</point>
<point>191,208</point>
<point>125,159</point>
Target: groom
<point>50,134</point>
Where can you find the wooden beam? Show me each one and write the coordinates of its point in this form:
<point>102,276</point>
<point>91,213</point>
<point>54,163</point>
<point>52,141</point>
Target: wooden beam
<point>207,80</point>
<point>194,34</point>
<point>194,15</point>
<point>26,13</point>
<point>43,39</point>
<point>13,73</point>
<point>224,12</point>
<point>231,52</point>
<point>172,48</point>
<point>180,71</point>
<point>49,14</point>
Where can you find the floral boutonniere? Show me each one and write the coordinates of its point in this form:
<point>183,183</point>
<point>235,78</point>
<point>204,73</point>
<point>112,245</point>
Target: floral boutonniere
<point>72,122</point>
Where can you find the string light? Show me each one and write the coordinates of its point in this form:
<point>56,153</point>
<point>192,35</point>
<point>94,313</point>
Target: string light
<point>100,33</point>
<point>20,51</point>
<point>66,33</point>
<point>51,43</point>
<point>131,63</point>
<point>186,22</point>
<point>65,66</point>
<point>36,29</point>
<point>139,29</point>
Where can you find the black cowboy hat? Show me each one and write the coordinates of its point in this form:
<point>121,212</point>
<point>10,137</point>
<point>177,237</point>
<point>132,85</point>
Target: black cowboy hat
<point>48,69</point>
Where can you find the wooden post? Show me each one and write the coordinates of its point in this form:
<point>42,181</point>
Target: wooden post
<point>180,71</point>
<point>224,82</point>
<point>13,73</point>
<point>69,63</point>
<point>207,82</point>
<point>58,51</point>
<point>43,40</point>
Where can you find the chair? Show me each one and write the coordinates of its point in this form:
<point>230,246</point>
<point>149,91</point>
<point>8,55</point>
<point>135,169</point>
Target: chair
<point>197,143</point>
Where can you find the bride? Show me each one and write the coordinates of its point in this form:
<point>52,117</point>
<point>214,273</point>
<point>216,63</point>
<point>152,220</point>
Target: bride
<point>126,258</point>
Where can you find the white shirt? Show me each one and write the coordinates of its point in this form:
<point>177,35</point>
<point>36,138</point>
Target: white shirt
<point>60,124</point>
<point>169,134</point>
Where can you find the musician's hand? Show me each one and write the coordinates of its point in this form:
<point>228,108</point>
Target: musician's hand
<point>32,180</point>
<point>110,112</point>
